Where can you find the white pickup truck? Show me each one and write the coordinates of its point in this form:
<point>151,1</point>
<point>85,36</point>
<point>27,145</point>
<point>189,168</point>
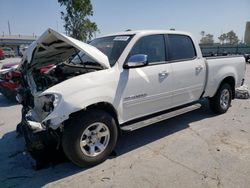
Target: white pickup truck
<point>122,81</point>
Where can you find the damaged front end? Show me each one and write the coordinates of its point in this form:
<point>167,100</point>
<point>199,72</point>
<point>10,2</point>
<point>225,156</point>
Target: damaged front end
<point>50,60</point>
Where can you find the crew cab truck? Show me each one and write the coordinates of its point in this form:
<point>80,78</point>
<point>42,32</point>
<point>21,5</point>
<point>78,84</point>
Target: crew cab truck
<point>122,81</point>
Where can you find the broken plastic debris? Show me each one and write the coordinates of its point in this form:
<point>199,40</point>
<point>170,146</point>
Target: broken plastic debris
<point>242,92</point>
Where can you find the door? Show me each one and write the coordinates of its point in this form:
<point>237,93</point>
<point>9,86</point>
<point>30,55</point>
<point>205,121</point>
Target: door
<point>148,89</point>
<point>188,70</point>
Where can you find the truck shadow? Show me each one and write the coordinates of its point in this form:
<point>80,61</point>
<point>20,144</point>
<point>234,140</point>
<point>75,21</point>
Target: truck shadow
<point>17,166</point>
<point>141,137</point>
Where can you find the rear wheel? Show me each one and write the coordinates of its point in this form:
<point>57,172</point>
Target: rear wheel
<point>89,138</point>
<point>222,99</point>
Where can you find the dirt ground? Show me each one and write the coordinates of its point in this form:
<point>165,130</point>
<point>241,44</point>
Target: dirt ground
<point>197,149</point>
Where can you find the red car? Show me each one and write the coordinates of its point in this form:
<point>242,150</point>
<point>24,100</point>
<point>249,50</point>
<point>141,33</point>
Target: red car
<point>9,82</point>
<point>10,79</point>
<point>2,55</point>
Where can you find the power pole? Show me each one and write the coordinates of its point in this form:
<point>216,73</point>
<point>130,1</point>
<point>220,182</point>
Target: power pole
<point>9,27</point>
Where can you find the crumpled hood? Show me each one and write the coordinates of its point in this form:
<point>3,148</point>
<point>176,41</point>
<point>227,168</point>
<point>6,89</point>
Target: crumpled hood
<point>53,47</point>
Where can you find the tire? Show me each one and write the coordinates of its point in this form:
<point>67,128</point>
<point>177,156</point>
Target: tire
<point>81,129</point>
<point>220,103</point>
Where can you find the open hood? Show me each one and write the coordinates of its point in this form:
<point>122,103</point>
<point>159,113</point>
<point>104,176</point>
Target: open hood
<point>53,47</point>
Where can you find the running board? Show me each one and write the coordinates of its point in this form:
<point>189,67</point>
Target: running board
<point>156,119</point>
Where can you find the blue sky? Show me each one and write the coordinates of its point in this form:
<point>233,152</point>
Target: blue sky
<point>213,16</point>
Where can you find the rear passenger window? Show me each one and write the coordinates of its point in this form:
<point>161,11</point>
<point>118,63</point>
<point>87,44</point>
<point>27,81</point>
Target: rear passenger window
<point>181,47</point>
<point>153,46</point>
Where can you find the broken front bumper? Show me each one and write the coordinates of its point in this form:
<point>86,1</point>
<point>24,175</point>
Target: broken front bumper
<point>33,125</point>
<point>38,136</point>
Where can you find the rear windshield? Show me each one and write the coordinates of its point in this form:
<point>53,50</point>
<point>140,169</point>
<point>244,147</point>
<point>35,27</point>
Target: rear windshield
<point>112,47</point>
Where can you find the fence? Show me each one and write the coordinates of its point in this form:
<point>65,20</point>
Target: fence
<point>218,50</point>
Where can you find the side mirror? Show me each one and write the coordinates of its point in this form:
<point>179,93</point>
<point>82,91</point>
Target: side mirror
<point>138,60</point>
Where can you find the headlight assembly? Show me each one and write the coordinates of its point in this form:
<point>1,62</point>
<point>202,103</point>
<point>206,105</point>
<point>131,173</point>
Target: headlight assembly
<point>50,101</point>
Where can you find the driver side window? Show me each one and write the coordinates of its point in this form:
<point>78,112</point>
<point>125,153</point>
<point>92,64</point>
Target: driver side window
<point>153,46</point>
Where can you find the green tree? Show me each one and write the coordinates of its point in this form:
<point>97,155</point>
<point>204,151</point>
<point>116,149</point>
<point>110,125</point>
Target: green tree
<point>229,38</point>
<point>207,39</point>
<point>232,38</point>
<point>77,23</point>
<point>223,38</point>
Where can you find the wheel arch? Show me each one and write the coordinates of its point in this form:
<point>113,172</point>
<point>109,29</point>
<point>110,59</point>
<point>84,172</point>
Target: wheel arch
<point>105,106</point>
<point>231,81</point>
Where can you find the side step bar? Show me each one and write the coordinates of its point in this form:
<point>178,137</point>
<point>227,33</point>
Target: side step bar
<point>156,119</point>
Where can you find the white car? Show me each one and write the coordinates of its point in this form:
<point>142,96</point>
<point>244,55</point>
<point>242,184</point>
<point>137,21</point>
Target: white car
<point>121,81</point>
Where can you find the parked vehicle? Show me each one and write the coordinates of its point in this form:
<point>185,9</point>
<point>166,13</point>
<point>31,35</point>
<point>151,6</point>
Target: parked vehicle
<point>10,79</point>
<point>9,82</point>
<point>8,52</point>
<point>2,55</point>
<point>120,82</point>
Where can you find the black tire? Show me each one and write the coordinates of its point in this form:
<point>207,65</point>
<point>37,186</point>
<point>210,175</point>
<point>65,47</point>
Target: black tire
<point>75,128</point>
<point>215,102</point>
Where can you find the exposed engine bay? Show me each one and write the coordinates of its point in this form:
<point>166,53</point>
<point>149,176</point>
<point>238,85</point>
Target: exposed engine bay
<point>61,72</point>
<point>63,56</point>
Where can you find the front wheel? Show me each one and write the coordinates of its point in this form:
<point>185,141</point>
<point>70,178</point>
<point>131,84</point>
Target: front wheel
<point>222,99</point>
<point>89,138</point>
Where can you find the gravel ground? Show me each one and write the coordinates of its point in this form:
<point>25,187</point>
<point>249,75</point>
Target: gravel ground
<point>197,149</point>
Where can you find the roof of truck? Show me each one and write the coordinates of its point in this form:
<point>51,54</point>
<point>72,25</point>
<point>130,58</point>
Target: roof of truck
<point>134,32</point>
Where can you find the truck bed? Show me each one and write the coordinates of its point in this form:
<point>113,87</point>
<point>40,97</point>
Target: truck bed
<point>220,67</point>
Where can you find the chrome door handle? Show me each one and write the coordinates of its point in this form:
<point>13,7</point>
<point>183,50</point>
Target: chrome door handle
<point>163,73</point>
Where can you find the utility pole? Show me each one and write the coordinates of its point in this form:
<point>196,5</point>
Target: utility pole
<point>9,27</point>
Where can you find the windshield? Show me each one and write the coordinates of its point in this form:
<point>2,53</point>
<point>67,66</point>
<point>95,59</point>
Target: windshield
<point>111,46</point>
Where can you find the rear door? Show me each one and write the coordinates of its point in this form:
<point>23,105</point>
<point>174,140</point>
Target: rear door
<point>188,70</point>
<point>148,89</point>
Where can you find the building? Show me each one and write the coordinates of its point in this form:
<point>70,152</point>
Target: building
<point>247,33</point>
<point>16,41</point>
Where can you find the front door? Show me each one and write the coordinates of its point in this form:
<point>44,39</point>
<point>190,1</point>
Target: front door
<point>148,89</point>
